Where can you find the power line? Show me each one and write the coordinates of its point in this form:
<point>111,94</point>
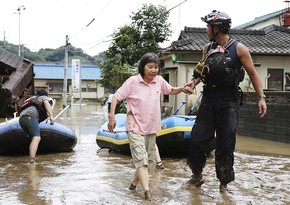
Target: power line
<point>176,6</point>
<point>103,41</point>
<point>83,28</point>
<point>91,21</point>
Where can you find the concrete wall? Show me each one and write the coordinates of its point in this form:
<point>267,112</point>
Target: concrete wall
<point>275,126</point>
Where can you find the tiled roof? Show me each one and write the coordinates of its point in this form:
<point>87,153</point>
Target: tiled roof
<point>10,60</point>
<point>56,71</point>
<point>261,19</point>
<point>271,40</point>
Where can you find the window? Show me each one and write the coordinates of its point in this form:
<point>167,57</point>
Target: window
<point>166,77</point>
<point>92,90</point>
<point>287,78</point>
<point>275,79</point>
<point>55,88</point>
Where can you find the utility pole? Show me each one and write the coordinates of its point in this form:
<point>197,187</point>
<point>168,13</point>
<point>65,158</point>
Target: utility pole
<point>4,41</point>
<point>64,101</point>
<point>19,45</point>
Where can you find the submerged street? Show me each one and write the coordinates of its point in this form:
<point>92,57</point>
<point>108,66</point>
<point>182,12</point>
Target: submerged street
<point>88,175</point>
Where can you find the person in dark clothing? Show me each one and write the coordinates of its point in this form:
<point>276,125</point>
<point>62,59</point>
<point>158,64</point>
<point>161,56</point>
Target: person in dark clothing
<point>32,115</point>
<point>221,70</point>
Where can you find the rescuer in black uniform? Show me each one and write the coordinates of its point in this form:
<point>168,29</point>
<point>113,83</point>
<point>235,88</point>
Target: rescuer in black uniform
<point>221,70</point>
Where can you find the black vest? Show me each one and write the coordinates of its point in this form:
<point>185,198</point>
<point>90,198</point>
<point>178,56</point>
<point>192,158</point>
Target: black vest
<point>224,68</point>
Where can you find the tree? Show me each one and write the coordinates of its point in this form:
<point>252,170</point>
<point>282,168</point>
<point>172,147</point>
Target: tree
<point>114,73</point>
<point>149,27</point>
<point>57,55</point>
<point>45,55</point>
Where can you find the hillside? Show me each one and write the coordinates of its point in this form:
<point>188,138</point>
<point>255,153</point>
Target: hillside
<point>48,55</point>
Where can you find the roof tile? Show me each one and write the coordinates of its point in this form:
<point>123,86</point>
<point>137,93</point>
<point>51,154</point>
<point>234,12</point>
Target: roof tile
<point>271,40</point>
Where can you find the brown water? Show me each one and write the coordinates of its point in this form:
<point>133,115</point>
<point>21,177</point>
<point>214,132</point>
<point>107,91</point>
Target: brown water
<point>84,176</point>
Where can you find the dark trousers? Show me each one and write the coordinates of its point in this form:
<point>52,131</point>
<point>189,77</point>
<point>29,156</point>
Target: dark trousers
<point>217,116</point>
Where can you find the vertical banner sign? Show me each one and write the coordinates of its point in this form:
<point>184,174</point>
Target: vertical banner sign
<point>76,75</point>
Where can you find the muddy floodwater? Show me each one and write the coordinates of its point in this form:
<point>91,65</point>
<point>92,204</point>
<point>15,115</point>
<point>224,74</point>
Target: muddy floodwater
<point>85,176</point>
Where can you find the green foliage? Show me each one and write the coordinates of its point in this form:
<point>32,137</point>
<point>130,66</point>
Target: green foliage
<point>113,74</point>
<point>53,55</point>
<point>9,47</point>
<point>32,56</point>
<point>58,55</point>
<point>149,27</point>
<point>152,22</point>
<point>100,57</point>
<point>48,55</point>
<point>126,45</point>
<point>123,108</point>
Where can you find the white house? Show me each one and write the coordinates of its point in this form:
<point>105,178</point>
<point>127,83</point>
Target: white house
<point>50,77</point>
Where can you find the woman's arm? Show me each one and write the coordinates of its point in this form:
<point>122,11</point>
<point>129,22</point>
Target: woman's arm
<point>49,111</point>
<point>112,120</point>
<point>177,90</point>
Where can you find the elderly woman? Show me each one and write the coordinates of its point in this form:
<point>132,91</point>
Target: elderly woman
<point>142,93</point>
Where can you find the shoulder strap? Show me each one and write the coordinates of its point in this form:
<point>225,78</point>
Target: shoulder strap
<point>218,49</point>
<point>212,45</point>
<point>229,43</point>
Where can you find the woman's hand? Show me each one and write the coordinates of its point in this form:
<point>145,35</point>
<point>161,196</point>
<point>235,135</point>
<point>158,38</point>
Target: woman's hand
<point>51,119</point>
<point>112,124</point>
<point>187,90</point>
<point>189,84</point>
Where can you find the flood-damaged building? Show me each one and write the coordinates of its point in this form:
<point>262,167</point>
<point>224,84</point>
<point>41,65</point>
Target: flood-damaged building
<point>16,82</point>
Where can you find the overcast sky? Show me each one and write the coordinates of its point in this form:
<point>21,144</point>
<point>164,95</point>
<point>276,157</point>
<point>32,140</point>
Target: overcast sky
<point>45,23</point>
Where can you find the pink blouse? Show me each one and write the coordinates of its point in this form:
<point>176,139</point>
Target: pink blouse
<point>143,103</point>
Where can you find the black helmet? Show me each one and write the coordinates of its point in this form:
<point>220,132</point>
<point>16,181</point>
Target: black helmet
<point>218,19</point>
<point>146,58</point>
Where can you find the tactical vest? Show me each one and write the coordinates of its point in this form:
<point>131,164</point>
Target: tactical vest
<point>221,67</point>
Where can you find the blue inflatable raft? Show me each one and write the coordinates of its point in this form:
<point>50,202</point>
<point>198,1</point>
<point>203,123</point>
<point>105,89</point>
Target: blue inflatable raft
<point>172,139</point>
<point>54,138</point>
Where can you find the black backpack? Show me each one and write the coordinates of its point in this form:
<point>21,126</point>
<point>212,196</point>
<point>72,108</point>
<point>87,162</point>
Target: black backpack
<point>214,70</point>
<point>33,101</point>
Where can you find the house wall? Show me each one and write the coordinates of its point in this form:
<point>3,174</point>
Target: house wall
<point>91,89</point>
<point>277,20</point>
<point>179,74</point>
<point>271,62</point>
<point>260,25</point>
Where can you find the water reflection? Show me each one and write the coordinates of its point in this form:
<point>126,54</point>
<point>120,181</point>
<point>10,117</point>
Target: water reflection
<point>85,176</point>
<point>29,194</point>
